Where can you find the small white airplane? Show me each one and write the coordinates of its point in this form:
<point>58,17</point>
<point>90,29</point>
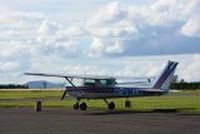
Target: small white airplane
<point>94,87</point>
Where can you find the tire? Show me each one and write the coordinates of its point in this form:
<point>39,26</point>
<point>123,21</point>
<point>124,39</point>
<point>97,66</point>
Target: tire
<point>76,106</point>
<point>83,106</point>
<point>127,104</point>
<point>111,106</point>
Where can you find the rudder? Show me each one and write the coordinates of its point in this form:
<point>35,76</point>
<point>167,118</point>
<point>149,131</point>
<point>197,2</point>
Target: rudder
<point>166,77</point>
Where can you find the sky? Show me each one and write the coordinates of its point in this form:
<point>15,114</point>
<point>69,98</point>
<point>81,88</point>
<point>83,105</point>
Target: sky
<point>98,37</point>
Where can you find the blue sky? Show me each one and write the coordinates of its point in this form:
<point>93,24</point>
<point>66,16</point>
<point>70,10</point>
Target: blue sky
<point>100,37</point>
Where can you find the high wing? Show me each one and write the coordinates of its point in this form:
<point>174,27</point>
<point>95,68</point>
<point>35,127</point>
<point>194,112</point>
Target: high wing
<point>89,76</point>
<point>71,76</point>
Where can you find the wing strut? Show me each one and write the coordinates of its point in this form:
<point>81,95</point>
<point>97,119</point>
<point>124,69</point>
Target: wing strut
<point>63,96</point>
<point>70,82</point>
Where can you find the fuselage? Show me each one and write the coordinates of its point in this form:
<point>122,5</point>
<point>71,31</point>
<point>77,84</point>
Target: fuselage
<point>110,92</point>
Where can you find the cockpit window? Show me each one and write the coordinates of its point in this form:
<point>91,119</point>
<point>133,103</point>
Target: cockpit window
<point>98,82</point>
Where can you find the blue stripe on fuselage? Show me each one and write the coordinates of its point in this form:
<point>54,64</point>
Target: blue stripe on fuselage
<point>92,89</point>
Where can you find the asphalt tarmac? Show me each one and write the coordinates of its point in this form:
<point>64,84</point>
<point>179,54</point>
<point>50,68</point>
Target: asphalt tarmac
<point>69,121</point>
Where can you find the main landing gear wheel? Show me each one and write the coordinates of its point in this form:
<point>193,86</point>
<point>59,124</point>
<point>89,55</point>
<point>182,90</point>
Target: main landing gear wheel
<point>83,106</point>
<point>111,106</point>
<point>76,106</point>
<point>127,104</point>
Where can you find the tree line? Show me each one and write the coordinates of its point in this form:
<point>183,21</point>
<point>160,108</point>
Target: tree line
<point>185,85</point>
<point>13,86</point>
<point>181,84</point>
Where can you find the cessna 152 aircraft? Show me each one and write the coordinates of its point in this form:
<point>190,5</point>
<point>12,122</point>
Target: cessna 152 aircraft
<point>107,87</point>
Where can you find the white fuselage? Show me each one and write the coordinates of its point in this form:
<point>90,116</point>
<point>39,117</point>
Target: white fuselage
<point>111,92</point>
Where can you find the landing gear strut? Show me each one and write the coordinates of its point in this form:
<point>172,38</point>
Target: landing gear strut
<point>111,105</point>
<point>76,106</point>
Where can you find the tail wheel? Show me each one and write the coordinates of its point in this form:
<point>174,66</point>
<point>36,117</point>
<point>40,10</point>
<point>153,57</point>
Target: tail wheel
<point>127,104</point>
<point>76,106</point>
<point>111,105</point>
<point>83,106</point>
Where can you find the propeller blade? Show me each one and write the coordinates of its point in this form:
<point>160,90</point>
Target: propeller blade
<point>63,96</point>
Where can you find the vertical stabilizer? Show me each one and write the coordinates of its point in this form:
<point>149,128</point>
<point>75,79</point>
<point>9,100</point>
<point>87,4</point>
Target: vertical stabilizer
<point>166,77</point>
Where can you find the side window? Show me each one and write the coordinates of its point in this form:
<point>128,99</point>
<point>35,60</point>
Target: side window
<point>89,82</point>
<point>110,81</point>
<point>103,82</point>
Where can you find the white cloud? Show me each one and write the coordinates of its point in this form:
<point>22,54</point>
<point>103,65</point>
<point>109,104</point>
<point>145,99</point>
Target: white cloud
<point>97,48</point>
<point>108,14</point>
<point>8,66</point>
<point>13,50</point>
<point>10,16</point>
<point>117,47</point>
<point>100,47</point>
<point>30,39</point>
<point>48,28</point>
<point>70,32</point>
<point>18,19</point>
<point>121,29</point>
<point>35,30</point>
<point>141,66</point>
<point>192,27</point>
<point>112,21</point>
<point>190,68</point>
<point>115,17</point>
<point>129,23</point>
<point>58,39</point>
<point>46,32</point>
<point>17,25</point>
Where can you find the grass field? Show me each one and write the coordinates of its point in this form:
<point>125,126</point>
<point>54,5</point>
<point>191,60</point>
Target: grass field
<point>186,101</point>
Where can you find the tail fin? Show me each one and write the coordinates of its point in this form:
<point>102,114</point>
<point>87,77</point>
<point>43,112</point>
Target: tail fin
<point>166,77</point>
